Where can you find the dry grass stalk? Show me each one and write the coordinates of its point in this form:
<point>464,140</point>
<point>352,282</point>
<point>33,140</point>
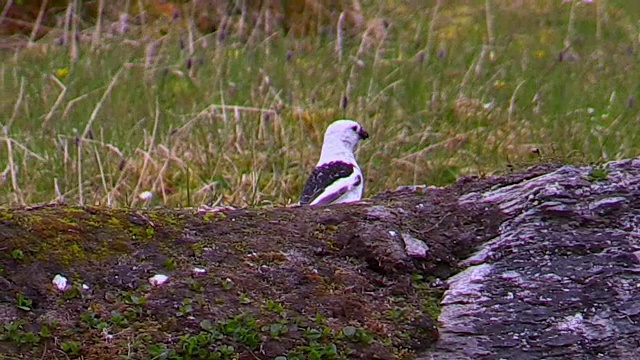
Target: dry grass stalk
<point>58,101</point>
<point>98,27</point>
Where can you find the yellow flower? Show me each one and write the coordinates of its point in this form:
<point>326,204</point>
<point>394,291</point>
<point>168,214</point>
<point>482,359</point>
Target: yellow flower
<point>233,53</point>
<point>499,84</point>
<point>539,54</point>
<point>62,73</point>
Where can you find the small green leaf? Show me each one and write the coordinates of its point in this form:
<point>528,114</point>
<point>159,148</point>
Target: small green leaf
<point>45,332</point>
<point>17,254</point>
<point>314,334</point>
<point>349,331</point>
<point>206,325</point>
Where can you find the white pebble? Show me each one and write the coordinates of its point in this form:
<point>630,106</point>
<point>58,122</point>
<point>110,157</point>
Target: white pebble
<point>198,271</point>
<point>60,282</point>
<point>414,247</point>
<point>157,280</point>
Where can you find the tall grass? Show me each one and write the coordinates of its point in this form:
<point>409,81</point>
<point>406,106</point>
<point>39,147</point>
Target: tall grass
<point>445,88</point>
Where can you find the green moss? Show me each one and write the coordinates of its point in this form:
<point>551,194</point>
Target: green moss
<point>198,248</point>
<point>62,250</point>
<point>430,305</point>
<point>169,263</point>
<point>208,217</point>
<point>28,221</point>
<point>598,173</point>
<point>430,298</point>
<point>70,234</point>
<point>139,232</point>
<point>68,220</point>
<point>114,222</point>
<point>165,218</point>
<point>6,215</point>
<point>150,231</point>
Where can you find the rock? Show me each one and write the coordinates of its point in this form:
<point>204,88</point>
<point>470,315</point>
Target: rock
<point>560,280</point>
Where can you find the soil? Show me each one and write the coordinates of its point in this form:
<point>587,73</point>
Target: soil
<point>300,282</point>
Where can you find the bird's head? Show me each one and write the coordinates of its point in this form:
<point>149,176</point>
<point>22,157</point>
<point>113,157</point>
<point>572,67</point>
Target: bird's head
<point>347,132</point>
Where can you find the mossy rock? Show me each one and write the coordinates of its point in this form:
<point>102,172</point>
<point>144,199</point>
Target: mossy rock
<point>296,282</point>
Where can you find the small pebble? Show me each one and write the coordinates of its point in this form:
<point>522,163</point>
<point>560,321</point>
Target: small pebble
<point>198,271</point>
<point>60,282</point>
<point>158,279</point>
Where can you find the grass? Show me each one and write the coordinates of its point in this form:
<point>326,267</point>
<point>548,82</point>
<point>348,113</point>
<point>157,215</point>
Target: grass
<point>445,89</point>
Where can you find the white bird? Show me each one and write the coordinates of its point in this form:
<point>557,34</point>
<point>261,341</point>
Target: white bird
<point>337,178</point>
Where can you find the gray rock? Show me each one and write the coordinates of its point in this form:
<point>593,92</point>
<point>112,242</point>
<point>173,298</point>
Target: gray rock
<point>562,278</point>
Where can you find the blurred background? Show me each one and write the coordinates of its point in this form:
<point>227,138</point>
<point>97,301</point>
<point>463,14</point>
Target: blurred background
<point>183,103</point>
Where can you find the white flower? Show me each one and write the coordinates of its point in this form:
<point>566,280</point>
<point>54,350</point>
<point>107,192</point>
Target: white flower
<point>146,195</point>
<point>157,280</point>
<point>60,282</point>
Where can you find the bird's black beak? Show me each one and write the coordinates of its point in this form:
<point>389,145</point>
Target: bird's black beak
<point>363,134</point>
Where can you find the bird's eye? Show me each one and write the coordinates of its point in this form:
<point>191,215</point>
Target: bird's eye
<point>354,128</point>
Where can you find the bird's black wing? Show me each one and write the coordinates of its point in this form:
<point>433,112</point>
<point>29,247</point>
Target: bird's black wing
<point>335,195</point>
<point>323,176</point>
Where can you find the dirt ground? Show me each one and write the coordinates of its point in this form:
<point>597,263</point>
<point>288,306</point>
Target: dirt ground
<point>300,282</point>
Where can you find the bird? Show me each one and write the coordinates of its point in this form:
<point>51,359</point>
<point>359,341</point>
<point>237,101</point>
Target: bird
<point>336,178</point>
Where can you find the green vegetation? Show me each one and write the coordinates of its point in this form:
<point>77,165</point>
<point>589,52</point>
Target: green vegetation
<point>598,173</point>
<point>461,88</point>
<point>71,347</point>
<point>169,263</point>
<point>23,303</point>
<point>17,254</point>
